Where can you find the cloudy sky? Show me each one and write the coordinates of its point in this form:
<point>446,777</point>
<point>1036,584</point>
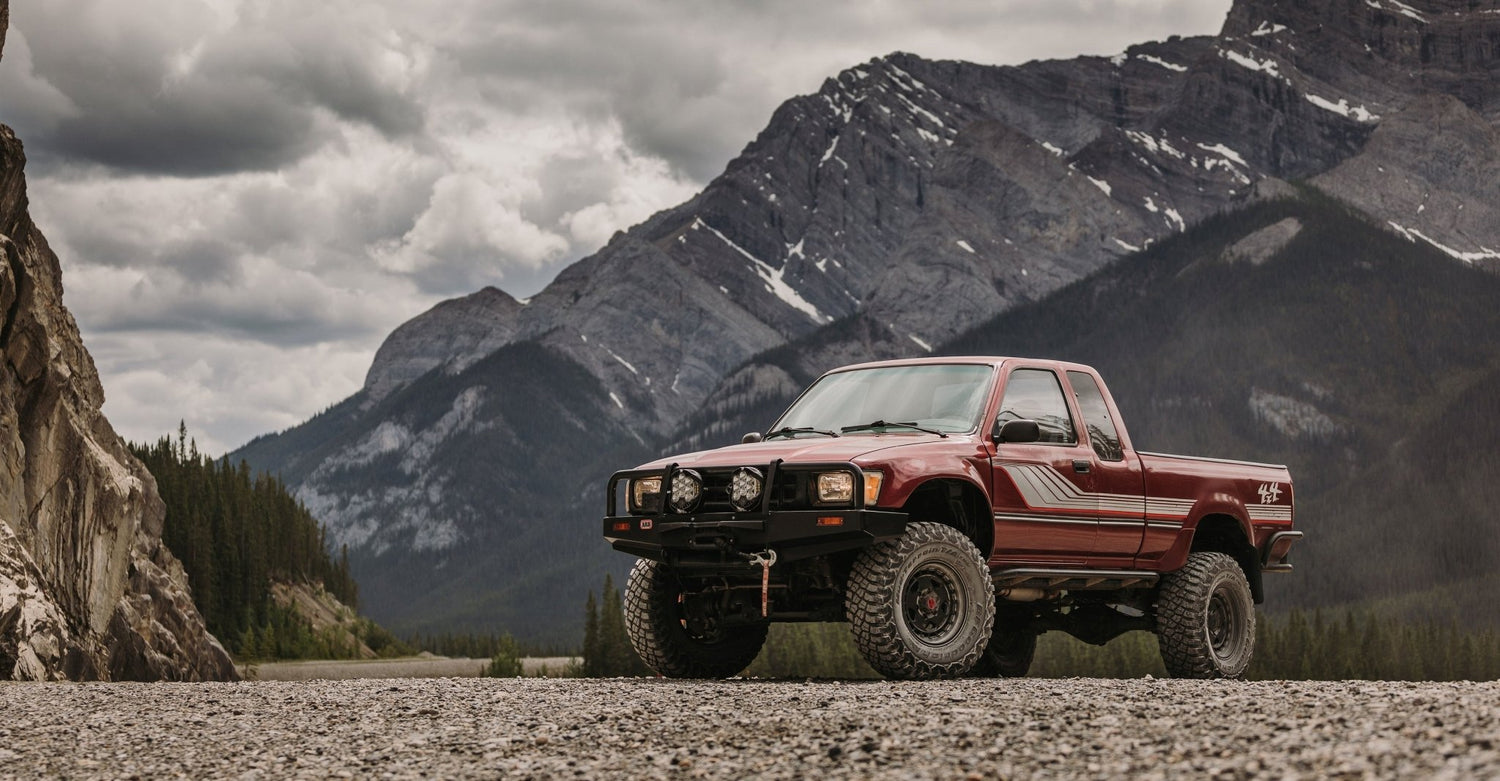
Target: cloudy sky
<point>248,195</point>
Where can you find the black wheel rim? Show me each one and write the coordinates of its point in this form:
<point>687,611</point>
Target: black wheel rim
<point>932,603</point>
<point>1225,623</point>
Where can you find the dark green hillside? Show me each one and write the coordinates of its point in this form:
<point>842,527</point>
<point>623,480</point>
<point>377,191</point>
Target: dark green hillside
<point>532,512</point>
<point>296,448</point>
<point>1379,355</point>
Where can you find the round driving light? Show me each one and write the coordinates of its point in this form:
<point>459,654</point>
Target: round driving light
<point>745,488</point>
<point>687,489</point>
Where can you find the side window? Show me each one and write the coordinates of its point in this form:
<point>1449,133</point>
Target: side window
<point>1102,432</point>
<point>1035,394</point>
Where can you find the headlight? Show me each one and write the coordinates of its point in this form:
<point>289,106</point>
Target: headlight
<point>687,489</point>
<point>745,488</point>
<point>872,487</point>
<point>835,488</point>
<point>645,494</point>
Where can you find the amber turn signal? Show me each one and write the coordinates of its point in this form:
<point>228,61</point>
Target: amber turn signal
<point>830,520</point>
<point>872,487</point>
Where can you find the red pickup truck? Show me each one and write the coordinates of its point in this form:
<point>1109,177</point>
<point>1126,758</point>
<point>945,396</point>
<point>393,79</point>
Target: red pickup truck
<point>951,510</point>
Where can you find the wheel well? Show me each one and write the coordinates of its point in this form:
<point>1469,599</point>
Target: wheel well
<point>1223,534</point>
<point>958,504</point>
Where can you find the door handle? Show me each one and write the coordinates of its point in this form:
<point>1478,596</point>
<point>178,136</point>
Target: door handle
<point>1080,466</point>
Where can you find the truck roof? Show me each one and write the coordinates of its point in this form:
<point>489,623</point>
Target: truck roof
<point>989,360</point>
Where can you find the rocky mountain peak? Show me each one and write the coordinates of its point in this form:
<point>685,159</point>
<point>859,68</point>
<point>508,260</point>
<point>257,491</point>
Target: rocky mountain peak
<point>452,334</point>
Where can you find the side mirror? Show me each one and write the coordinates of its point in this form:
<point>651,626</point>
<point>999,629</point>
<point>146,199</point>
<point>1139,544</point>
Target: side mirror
<point>753,436</point>
<point>1019,431</point>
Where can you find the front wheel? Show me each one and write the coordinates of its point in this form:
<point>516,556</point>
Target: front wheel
<point>921,606</point>
<point>658,629</point>
<point>1205,618</point>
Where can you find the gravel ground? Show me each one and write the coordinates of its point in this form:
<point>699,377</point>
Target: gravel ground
<point>411,667</point>
<point>642,728</point>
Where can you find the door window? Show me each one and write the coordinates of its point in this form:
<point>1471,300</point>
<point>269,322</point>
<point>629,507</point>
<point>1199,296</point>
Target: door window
<point>1035,394</point>
<point>1102,432</point>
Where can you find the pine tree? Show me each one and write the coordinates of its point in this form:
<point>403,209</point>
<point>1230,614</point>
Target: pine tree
<point>613,641</point>
<point>591,660</point>
<point>616,655</point>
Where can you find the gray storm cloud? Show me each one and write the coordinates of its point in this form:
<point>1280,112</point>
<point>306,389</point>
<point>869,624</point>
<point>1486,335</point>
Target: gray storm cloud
<point>172,87</point>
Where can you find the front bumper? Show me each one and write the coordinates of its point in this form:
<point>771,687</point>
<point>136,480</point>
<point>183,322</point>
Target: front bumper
<point>716,540</point>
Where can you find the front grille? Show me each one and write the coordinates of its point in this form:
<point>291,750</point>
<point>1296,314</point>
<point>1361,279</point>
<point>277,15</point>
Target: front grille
<point>789,491</point>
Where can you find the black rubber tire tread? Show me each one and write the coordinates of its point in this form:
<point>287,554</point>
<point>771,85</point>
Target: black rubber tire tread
<point>1182,617</point>
<point>656,632</point>
<point>872,605</point>
<point>1008,654</point>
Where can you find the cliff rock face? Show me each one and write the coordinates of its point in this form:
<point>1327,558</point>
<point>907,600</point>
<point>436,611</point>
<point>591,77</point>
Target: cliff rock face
<point>87,591</point>
<point>902,204</point>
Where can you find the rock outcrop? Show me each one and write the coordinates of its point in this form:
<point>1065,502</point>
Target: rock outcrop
<point>324,613</point>
<point>87,590</point>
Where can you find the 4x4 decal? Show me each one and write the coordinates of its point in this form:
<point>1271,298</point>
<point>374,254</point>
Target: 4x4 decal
<point>1269,492</point>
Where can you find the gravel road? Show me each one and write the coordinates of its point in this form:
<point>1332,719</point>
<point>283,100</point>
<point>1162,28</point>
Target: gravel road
<point>641,728</point>
<point>410,667</point>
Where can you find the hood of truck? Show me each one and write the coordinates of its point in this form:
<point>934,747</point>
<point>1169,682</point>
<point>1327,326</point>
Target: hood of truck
<point>806,450</point>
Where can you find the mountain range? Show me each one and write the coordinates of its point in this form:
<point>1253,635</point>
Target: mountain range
<point>1277,242</point>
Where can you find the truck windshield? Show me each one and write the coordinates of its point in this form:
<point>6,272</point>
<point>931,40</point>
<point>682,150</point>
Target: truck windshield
<point>942,397</point>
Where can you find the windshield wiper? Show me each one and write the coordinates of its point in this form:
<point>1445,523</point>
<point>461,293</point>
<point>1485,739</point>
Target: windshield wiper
<point>789,430</point>
<point>898,424</point>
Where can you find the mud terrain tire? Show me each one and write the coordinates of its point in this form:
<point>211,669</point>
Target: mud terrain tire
<point>653,619</point>
<point>921,606</point>
<point>1205,619</point>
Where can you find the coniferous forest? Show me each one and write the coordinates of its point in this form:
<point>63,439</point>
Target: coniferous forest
<point>235,532</point>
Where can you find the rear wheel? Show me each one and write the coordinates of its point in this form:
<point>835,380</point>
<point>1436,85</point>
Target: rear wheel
<point>1205,618</point>
<point>921,606</point>
<point>658,628</point>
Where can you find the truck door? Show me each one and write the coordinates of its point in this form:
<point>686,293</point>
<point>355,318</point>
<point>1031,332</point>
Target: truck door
<point>1044,510</point>
<point>1120,486</point>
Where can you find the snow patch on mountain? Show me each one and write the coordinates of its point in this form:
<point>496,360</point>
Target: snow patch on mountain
<point>1357,113</point>
<point>1412,234</point>
<point>1171,66</point>
<point>776,284</point>
<point>1267,66</point>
